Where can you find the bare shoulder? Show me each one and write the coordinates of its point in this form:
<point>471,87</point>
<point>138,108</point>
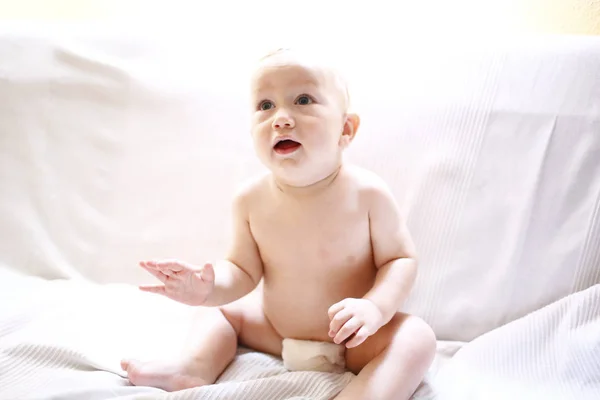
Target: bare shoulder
<point>250,192</point>
<point>391,238</point>
<point>371,187</point>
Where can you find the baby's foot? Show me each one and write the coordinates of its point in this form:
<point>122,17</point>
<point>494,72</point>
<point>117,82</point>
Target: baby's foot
<point>167,375</point>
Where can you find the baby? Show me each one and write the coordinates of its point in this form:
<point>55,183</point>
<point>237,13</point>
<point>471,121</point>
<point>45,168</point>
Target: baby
<point>328,242</point>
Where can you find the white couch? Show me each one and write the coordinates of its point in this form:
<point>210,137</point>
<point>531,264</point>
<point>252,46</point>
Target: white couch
<point>115,149</point>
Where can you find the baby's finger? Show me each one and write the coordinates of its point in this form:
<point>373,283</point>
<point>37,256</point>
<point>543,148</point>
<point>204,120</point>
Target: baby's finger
<point>338,321</point>
<point>146,264</point>
<point>360,337</point>
<point>168,267</point>
<point>157,274</point>
<point>152,265</point>
<point>334,309</point>
<point>160,289</point>
<point>348,329</point>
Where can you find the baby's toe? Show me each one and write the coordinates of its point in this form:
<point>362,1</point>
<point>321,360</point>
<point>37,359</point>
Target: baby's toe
<point>135,372</point>
<point>127,364</point>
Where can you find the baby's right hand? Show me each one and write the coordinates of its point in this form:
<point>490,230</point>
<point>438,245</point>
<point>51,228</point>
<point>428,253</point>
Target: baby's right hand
<point>181,282</point>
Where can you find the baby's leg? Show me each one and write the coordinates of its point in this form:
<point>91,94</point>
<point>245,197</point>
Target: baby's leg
<point>211,346</point>
<point>392,363</point>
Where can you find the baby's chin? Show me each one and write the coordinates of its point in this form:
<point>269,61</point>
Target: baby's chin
<point>299,176</point>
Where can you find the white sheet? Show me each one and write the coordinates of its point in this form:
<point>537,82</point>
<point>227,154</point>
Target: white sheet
<point>64,340</point>
<point>551,354</point>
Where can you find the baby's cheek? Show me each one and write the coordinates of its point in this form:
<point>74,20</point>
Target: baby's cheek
<point>261,133</point>
<point>260,122</point>
<point>326,142</point>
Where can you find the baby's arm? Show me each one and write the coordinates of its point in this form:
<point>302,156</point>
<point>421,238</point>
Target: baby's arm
<point>395,259</point>
<point>240,272</point>
<point>213,285</point>
<point>394,253</point>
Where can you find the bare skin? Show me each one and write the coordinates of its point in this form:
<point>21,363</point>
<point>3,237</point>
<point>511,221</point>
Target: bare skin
<point>327,241</point>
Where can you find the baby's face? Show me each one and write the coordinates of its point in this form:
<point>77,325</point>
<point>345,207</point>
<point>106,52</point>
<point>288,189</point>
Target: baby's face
<point>298,121</point>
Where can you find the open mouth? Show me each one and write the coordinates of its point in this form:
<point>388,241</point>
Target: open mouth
<point>286,146</point>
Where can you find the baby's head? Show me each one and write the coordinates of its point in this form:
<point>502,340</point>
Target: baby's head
<point>301,123</point>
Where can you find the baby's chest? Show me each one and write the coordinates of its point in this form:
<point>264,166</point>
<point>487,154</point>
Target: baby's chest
<point>336,236</point>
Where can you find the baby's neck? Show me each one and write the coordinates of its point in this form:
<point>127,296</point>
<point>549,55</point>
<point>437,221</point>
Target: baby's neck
<point>315,188</point>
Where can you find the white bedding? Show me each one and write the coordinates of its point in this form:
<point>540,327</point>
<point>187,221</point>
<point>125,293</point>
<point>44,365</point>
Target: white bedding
<point>64,339</point>
<point>551,354</point>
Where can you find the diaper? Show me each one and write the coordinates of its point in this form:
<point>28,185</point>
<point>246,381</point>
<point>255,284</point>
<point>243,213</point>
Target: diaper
<point>309,355</point>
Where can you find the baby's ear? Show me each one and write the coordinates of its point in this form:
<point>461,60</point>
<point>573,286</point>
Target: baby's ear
<point>351,124</point>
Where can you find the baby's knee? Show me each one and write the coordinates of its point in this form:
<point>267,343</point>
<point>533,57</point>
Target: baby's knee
<point>415,335</point>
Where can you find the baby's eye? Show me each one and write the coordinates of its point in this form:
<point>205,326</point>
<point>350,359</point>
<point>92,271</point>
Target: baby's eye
<point>303,100</point>
<point>265,105</point>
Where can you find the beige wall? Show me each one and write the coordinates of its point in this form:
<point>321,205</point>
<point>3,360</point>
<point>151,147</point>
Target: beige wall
<point>560,16</point>
<point>495,16</point>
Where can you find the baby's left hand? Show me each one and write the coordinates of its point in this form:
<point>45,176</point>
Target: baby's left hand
<point>358,316</point>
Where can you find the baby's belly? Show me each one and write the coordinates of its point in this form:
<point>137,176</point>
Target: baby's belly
<point>299,310</point>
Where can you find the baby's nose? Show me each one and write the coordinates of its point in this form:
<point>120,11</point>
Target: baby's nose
<point>283,122</point>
